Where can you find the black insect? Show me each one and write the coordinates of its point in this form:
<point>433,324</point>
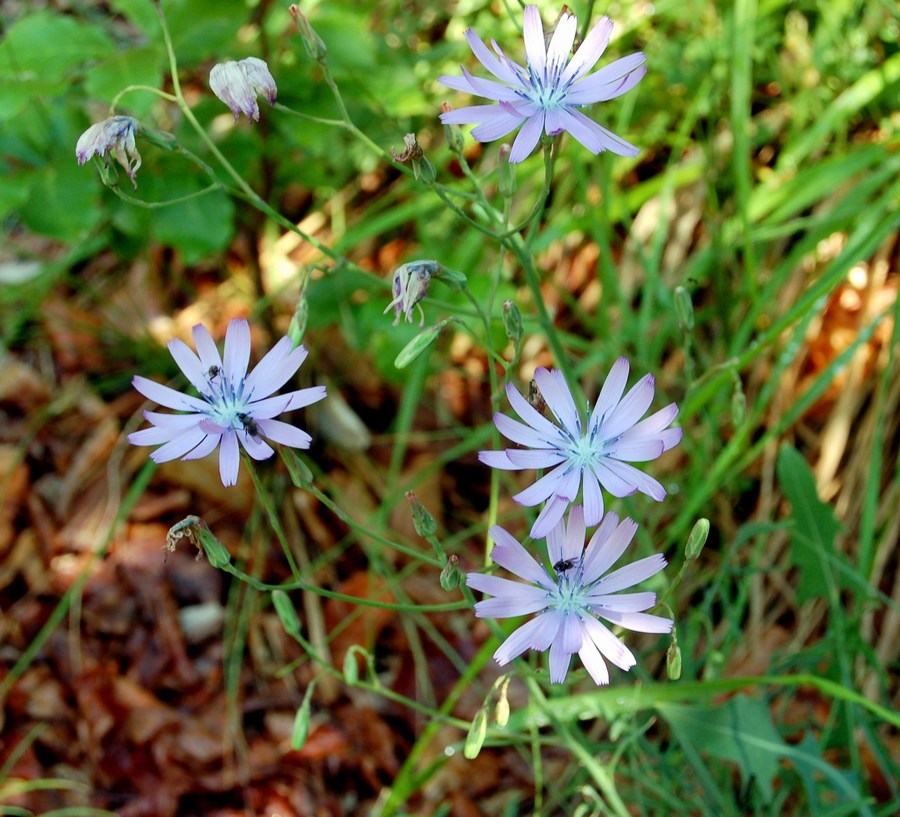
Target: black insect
<point>565,564</point>
<point>213,372</point>
<point>248,423</point>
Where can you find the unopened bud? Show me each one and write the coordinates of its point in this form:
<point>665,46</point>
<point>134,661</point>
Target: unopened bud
<point>506,173</point>
<point>297,327</point>
<point>301,476</point>
<point>512,322</point>
<point>423,521</point>
<point>673,660</point>
<point>286,612</point>
<point>697,539</point>
<point>450,575</point>
<point>302,719</point>
<point>215,551</point>
<point>452,134</point>
<point>684,309</point>
<point>312,42</point>
<point>419,344</point>
<point>501,711</point>
<point>476,736</point>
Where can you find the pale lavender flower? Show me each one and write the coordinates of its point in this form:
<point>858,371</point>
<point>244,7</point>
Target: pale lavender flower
<point>410,285</point>
<point>111,137</point>
<point>233,406</point>
<point>545,96</point>
<point>584,456</point>
<point>570,600</point>
<point>238,84</point>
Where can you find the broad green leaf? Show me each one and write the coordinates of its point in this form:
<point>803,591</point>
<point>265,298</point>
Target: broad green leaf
<point>137,66</point>
<point>197,227</point>
<point>740,730</point>
<point>62,201</point>
<point>815,525</point>
<point>48,46</point>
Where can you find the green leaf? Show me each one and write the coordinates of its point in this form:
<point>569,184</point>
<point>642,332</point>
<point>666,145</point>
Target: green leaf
<point>48,46</point>
<point>815,526</point>
<point>740,731</point>
<point>137,66</point>
<point>62,201</point>
<point>198,227</point>
<point>140,12</point>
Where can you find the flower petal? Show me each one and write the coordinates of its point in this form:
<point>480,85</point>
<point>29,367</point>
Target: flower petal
<point>256,447</point>
<point>595,137</point>
<point>284,433</point>
<point>606,547</point>
<point>611,81</point>
<point>237,350</point>
<point>520,433</point>
<point>631,407</point>
<point>508,552</point>
<point>206,347</point>
<point>533,32</point>
<point>640,481</point>
<point>229,459</point>
<point>559,661</point>
<point>482,53</point>
<point>593,662</point>
<point>630,574</point>
<point>542,489</point>
<point>558,397</point>
<point>640,622</point>
<point>534,459</point>
<point>549,517</point>
<point>590,50</point>
<point>275,369</point>
<point>527,140</point>
<point>610,646</point>
<point>542,629</point>
<point>189,363</point>
<point>622,602</point>
<point>593,497</point>
<point>204,448</point>
<point>551,433</point>
<point>503,120</point>
<point>498,459</point>
<point>560,46</point>
<point>178,446</point>
<point>168,397</point>
<point>610,394</point>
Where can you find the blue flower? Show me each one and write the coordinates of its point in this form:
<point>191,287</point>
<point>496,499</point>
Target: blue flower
<point>111,137</point>
<point>238,84</point>
<point>571,600</point>
<point>584,455</point>
<point>545,96</point>
<point>233,406</point>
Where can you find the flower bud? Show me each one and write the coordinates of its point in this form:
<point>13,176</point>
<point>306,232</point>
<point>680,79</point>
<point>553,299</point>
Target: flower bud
<point>215,551</point>
<point>476,736</point>
<point>419,344</point>
<point>312,42</point>
<point>697,539</point>
<point>111,137</point>
<point>423,521</point>
<point>673,660</point>
<point>410,286</point>
<point>452,134</point>
<point>501,711</point>
<point>450,575</point>
<point>506,173</point>
<point>238,84</point>
<point>512,322</point>
<point>684,309</point>
<point>302,719</point>
<point>286,612</point>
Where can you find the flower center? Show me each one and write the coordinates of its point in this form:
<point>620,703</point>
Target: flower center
<point>227,403</point>
<point>569,595</point>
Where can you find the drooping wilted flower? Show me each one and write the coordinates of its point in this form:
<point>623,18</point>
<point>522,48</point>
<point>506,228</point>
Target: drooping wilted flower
<point>570,601</point>
<point>233,406</point>
<point>580,455</point>
<point>238,84</point>
<point>113,137</point>
<point>545,96</point>
<point>410,285</point>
